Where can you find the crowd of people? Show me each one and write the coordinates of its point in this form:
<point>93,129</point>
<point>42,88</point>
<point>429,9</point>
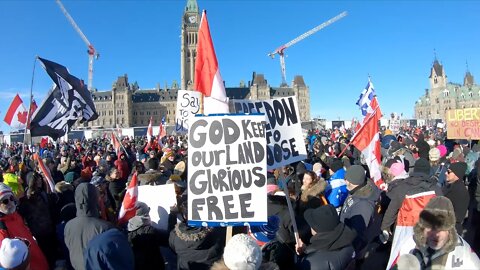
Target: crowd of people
<point>341,219</point>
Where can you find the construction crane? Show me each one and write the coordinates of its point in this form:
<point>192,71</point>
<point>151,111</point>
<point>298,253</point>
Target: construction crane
<point>92,53</point>
<point>281,50</point>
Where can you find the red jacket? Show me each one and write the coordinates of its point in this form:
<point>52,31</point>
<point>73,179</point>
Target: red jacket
<point>12,226</point>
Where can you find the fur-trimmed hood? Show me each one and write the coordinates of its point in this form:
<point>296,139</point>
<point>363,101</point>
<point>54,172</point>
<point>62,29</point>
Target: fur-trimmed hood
<point>63,186</point>
<point>191,234</point>
<point>314,191</point>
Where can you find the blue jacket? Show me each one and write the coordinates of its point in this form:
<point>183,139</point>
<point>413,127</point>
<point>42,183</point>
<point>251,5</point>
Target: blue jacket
<point>336,191</point>
<point>109,250</point>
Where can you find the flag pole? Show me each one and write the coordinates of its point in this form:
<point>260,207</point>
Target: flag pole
<point>27,126</point>
<point>120,142</point>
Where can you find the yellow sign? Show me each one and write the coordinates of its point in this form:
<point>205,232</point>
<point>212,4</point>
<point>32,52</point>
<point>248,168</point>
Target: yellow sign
<point>463,124</point>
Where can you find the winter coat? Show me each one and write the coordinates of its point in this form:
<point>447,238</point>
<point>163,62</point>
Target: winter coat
<point>458,194</point>
<point>80,230</point>
<point>312,197</point>
<point>456,254</point>
<point>122,167</point>
<point>116,187</point>
<point>196,247</point>
<point>336,191</point>
<point>330,250</point>
<point>12,180</point>
<point>395,194</point>
<point>11,226</point>
<point>358,210</point>
<point>36,211</point>
<point>146,241</point>
<point>109,250</point>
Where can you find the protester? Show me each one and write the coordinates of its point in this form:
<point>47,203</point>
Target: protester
<point>456,191</point>
<point>336,190</point>
<point>241,252</point>
<point>146,240</point>
<point>358,210</point>
<point>331,244</point>
<point>14,254</point>
<point>80,230</point>
<point>435,242</point>
<point>12,225</point>
<point>109,250</point>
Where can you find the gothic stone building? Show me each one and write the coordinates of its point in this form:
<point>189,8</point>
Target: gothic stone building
<point>443,95</point>
<point>126,105</point>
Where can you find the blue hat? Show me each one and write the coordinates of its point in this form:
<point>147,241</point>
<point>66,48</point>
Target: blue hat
<point>266,233</point>
<point>97,180</point>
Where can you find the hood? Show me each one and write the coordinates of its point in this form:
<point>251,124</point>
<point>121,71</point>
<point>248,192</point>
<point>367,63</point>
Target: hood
<point>369,191</point>
<point>340,237</point>
<point>313,191</point>
<point>86,200</point>
<point>191,234</point>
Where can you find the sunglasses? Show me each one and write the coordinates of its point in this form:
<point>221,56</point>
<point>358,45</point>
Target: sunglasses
<point>7,200</point>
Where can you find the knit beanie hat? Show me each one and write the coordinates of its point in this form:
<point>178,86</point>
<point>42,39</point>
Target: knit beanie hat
<point>434,154</point>
<point>98,180</point>
<point>5,191</point>
<point>438,214</point>
<point>323,219</point>
<point>443,150</point>
<point>395,167</point>
<point>317,168</point>
<point>459,169</point>
<point>242,253</point>
<point>355,175</point>
<point>336,165</point>
<point>13,253</point>
<point>422,166</point>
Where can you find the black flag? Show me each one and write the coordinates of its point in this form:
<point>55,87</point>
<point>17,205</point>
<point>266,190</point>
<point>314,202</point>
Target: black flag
<point>68,102</point>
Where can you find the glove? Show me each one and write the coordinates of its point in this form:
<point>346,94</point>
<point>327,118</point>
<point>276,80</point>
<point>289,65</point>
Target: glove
<point>384,236</point>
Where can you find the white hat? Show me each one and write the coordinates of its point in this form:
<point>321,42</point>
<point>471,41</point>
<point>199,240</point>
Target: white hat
<point>242,253</point>
<point>13,253</point>
<point>5,190</point>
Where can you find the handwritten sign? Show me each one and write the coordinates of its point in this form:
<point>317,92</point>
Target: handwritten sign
<point>188,104</point>
<point>227,170</point>
<point>285,143</point>
<point>463,124</point>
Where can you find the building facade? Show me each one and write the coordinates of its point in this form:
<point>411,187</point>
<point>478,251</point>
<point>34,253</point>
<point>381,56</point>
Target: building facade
<point>443,95</point>
<point>126,105</point>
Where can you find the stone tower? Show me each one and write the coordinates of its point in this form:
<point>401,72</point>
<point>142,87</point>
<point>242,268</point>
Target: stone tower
<point>190,24</point>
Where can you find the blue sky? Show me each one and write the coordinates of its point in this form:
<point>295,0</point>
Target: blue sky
<point>392,41</point>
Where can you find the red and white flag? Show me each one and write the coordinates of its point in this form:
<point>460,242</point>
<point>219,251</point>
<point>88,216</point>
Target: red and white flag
<point>47,176</point>
<point>161,131</point>
<point>149,131</point>
<point>208,80</point>
<point>33,108</point>
<point>127,211</point>
<point>368,142</point>
<point>408,216</point>
<point>115,143</point>
<point>17,114</point>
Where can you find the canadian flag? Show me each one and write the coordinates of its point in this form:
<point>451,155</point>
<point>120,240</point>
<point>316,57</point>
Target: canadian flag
<point>149,131</point>
<point>208,80</point>
<point>408,216</point>
<point>17,114</point>
<point>161,131</point>
<point>367,141</point>
<point>127,211</point>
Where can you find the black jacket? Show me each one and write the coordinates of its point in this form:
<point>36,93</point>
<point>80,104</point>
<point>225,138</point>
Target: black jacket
<point>196,247</point>
<point>357,211</point>
<point>458,194</point>
<point>332,250</point>
<point>146,242</point>
<point>398,189</point>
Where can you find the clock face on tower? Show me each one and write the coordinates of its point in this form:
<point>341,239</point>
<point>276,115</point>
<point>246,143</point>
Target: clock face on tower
<point>192,19</point>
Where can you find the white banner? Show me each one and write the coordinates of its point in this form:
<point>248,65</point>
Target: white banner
<point>159,205</point>
<point>227,170</point>
<point>188,104</point>
<point>283,130</point>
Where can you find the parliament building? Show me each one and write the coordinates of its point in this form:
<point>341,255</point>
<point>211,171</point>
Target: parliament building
<point>126,105</point>
<point>443,95</point>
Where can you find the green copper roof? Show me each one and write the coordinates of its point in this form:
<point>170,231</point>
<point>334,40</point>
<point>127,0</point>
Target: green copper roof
<point>191,6</point>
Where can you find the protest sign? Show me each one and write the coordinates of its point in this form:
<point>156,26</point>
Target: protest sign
<point>188,104</point>
<point>285,142</point>
<point>463,124</point>
<point>227,170</point>
<point>394,126</point>
<point>159,205</point>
